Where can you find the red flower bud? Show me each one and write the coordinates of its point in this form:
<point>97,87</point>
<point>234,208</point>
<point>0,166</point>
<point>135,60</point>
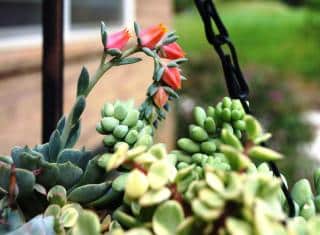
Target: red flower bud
<point>172,51</point>
<point>118,40</point>
<point>171,76</point>
<point>161,97</point>
<point>152,35</point>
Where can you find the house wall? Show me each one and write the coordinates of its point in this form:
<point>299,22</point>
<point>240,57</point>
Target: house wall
<point>20,85</point>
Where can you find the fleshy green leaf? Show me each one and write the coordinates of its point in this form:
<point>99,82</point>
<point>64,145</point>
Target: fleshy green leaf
<point>83,82</point>
<point>167,218</point>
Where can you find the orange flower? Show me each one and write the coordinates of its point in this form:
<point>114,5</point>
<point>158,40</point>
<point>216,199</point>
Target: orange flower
<point>172,51</point>
<point>171,76</point>
<point>118,40</point>
<point>161,97</point>
<point>152,35</point>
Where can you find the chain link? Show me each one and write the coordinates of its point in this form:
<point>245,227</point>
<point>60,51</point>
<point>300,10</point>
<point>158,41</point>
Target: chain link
<point>235,81</point>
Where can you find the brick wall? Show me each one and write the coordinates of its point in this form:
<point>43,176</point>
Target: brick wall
<point>20,85</point>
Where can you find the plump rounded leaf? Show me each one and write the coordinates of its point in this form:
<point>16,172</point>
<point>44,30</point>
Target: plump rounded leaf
<point>199,115</point>
<point>239,227</point>
<point>167,218</point>
<point>188,145</point>
<point>158,174</point>
<point>230,139</point>
<point>69,217</point>
<point>210,199</point>
<point>137,184</point>
<point>253,127</point>
<point>57,195</point>
<point>154,197</point>
<point>198,133</point>
<point>308,210</point>
<point>107,110</point>
<point>132,118</point>
<point>236,159</point>
<point>263,154</point>
<point>139,231</point>
<point>125,220</point>
<point>301,192</point>
<point>120,182</point>
<point>120,111</point>
<point>53,210</point>
<point>214,182</point>
<point>158,151</point>
<point>87,223</point>
<point>204,212</point>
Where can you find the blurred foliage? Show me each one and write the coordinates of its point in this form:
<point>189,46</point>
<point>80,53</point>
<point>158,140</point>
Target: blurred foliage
<point>181,5</point>
<point>277,47</point>
<point>268,33</point>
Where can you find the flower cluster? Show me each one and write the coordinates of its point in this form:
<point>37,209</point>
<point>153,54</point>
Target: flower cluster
<point>156,42</point>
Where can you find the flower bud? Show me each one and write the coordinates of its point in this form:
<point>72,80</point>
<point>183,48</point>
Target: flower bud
<point>151,36</point>
<point>161,97</point>
<point>172,51</point>
<point>172,77</point>
<point>118,40</point>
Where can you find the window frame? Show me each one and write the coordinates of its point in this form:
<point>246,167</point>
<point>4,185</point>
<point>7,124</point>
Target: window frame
<point>35,39</point>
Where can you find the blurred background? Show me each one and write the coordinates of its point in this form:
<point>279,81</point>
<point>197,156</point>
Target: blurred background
<point>278,48</point>
<point>277,44</point>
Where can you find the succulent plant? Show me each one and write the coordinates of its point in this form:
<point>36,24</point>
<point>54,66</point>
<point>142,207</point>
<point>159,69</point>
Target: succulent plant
<point>222,133</point>
<point>210,185</point>
<point>121,122</point>
<point>307,203</point>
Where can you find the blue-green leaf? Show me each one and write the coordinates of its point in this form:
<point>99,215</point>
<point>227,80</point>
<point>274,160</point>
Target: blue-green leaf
<point>54,146</point>
<point>83,82</point>
<point>130,60</point>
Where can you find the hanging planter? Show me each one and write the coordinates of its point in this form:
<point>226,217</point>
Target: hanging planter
<point>208,185</point>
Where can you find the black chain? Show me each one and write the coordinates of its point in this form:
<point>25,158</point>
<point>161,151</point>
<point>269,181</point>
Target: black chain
<point>236,84</point>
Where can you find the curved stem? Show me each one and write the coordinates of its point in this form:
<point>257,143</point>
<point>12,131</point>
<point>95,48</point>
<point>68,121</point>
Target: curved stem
<point>105,67</point>
<point>101,70</point>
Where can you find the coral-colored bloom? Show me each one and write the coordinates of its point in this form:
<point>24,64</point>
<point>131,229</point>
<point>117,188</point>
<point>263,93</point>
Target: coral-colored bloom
<point>118,40</point>
<point>161,97</point>
<point>152,35</point>
<point>172,51</point>
<point>171,76</point>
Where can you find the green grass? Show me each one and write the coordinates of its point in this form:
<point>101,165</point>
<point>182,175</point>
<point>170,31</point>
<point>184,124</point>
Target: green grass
<point>264,33</point>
